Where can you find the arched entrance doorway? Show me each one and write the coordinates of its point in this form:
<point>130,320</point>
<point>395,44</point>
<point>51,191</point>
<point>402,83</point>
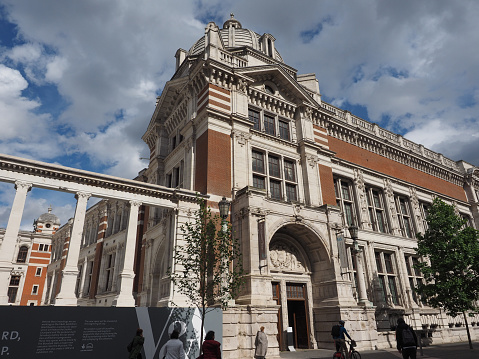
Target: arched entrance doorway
<point>294,250</point>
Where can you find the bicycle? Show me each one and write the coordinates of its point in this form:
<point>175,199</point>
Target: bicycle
<point>353,354</point>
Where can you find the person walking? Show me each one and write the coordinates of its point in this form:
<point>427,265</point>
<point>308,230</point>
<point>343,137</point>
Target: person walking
<point>339,333</point>
<point>211,348</point>
<point>406,340</point>
<point>173,349</point>
<point>261,344</point>
<point>136,345</point>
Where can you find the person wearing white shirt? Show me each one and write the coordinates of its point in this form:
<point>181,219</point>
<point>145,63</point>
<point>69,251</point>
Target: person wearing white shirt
<point>173,349</point>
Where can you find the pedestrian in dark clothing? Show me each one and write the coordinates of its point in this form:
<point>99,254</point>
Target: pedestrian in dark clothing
<point>406,340</point>
<point>137,345</point>
<point>211,348</point>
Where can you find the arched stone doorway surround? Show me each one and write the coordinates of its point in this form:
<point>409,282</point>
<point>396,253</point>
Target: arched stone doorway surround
<point>298,260</point>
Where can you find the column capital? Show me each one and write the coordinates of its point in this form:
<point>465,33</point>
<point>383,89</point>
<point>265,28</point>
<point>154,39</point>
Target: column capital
<point>23,185</point>
<point>135,203</point>
<point>82,195</point>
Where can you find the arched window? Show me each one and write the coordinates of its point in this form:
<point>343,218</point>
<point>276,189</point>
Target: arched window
<point>22,254</point>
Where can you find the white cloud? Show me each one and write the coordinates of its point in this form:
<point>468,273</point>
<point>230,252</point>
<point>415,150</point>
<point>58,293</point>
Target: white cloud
<point>55,69</point>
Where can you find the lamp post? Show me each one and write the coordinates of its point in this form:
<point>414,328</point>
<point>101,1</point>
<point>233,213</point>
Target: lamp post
<point>224,207</point>
<point>362,295</point>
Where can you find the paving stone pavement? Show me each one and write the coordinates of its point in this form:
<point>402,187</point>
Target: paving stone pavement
<point>443,351</point>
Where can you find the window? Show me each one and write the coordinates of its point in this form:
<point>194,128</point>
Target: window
<point>414,275</point>
<point>284,130</point>
<point>22,254</point>
<point>110,268</point>
<point>344,199</point>
<point>88,278</point>
<point>78,281</point>
<point>404,216</point>
<point>254,117</point>
<point>280,177</point>
<point>43,247</point>
<point>274,166</point>
<point>275,189</point>
<point>424,209</point>
<point>387,277</point>
<point>13,288</point>
<point>269,126</point>
<point>269,89</point>
<point>376,210</point>
<point>467,219</point>
<point>38,272</point>
<point>35,289</point>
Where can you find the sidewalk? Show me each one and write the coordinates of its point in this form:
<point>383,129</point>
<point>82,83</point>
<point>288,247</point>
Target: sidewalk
<point>443,351</point>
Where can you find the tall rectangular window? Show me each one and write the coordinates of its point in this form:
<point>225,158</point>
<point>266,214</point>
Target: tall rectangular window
<point>376,209</point>
<point>110,268</point>
<point>269,125</point>
<point>274,166</point>
<point>414,275</point>
<point>344,200</point>
<point>258,162</point>
<point>254,117</point>
<point>404,216</point>
<point>13,288</point>
<point>424,209</point>
<point>284,130</point>
<point>387,276</point>
<point>275,189</point>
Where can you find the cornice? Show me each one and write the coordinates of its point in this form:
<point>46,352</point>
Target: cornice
<point>67,174</point>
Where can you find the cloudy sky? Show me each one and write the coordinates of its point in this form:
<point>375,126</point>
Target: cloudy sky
<point>79,79</point>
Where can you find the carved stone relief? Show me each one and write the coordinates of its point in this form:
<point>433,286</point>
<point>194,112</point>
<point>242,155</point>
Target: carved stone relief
<point>363,204</point>
<point>285,258</point>
<point>388,189</point>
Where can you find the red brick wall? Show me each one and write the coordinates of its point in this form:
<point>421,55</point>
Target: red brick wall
<point>392,168</point>
<point>327,185</point>
<point>213,163</point>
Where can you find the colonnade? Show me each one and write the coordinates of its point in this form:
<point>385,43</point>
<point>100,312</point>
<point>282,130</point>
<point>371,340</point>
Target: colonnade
<point>26,174</point>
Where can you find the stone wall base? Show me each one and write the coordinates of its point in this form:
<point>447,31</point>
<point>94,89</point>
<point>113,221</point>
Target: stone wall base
<point>240,324</point>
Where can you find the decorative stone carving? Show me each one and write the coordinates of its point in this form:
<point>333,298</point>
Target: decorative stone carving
<point>241,137</point>
<point>285,258</point>
<point>361,191</point>
<point>388,190</point>
<point>312,160</point>
<point>415,204</point>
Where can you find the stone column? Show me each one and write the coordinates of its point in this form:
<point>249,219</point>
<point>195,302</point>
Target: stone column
<point>7,250</point>
<point>66,296</point>
<point>362,294</point>
<point>125,296</point>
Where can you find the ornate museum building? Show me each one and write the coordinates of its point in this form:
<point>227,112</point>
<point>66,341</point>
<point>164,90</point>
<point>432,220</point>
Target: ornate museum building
<point>236,121</point>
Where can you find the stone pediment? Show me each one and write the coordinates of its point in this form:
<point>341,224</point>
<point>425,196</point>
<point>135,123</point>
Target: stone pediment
<point>283,85</point>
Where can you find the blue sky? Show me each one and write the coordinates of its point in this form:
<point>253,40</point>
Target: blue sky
<point>79,79</point>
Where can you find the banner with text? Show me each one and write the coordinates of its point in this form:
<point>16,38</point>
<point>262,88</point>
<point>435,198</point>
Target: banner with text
<point>92,332</point>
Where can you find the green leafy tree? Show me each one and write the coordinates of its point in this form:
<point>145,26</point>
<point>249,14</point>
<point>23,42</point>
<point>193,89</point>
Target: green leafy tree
<point>451,268</point>
<point>209,264</point>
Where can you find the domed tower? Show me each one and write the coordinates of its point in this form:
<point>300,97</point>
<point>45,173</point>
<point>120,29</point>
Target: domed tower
<point>47,223</point>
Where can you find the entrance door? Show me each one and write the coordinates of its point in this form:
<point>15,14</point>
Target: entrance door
<point>297,314</point>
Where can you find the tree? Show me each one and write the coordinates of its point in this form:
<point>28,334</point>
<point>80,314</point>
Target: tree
<point>451,266</point>
<point>209,264</point>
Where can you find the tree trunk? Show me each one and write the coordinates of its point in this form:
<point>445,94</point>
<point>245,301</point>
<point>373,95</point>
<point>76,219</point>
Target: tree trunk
<point>467,330</point>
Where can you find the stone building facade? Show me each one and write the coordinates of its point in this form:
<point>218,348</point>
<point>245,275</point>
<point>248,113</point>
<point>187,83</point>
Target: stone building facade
<point>236,121</point>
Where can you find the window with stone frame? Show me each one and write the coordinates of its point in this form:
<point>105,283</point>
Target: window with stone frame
<point>343,189</point>
<point>13,288</point>
<point>78,281</point>
<point>376,208</point>
<point>270,123</point>
<point>414,276</point>
<point>387,276</point>
<point>174,179</point>
<point>278,177</point>
<point>38,272</point>
<point>88,278</point>
<point>109,271</point>
<point>466,218</point>
<point>22,254</point>
<point>424,210</point>
<point>35,289</point>
<point>254,117</point>
<point>403,209</point>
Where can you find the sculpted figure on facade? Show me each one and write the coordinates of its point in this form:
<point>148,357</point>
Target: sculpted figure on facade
<point>389,192</point>
<point>285,258</point>
<point>361,191</point>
